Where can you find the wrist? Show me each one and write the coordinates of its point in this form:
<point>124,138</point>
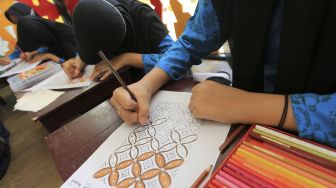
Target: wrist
<point>154,80</point>
<point>132,59</point>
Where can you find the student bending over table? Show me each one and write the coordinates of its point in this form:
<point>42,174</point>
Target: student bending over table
<point>128,32</point>
<point>280,48</point>
<point>38,38</point>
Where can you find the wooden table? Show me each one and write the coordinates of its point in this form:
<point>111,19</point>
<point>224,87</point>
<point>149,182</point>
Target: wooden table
<point>72,144</point>
<point>76,102</point>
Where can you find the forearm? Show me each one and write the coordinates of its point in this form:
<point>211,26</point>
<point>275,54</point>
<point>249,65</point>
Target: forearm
<point>154,80</point>
<point>268,108</point>
<point>133,59</point>
<point>52,57</point>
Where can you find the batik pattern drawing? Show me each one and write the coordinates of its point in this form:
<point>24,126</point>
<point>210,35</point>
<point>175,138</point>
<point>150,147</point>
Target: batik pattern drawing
<point>153,153</point>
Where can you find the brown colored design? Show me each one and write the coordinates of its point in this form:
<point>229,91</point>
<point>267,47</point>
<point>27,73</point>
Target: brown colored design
<point>144,158</point>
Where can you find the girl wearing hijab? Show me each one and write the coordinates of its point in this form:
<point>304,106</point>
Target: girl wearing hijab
<point>127,31</point>
<point>38,38</point>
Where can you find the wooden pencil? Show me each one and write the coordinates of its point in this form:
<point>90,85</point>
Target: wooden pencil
<point>202,177</point>
<point>231,137</point>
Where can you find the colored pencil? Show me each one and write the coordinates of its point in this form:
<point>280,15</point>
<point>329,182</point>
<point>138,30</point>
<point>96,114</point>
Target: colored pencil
<point>317,150</point>
<point>232,179</point>
<point>308,156</point>
<point>246,176</point>
<point>288,166</point>
<point>240,176</point>
<point>248,172</point>
<point>231,137</point>
<point>202,177</point>
<point>211,186</point>
<point>217,183</point>
<point>225,182</point>
<point>292,174</point>
<point>303,165</point>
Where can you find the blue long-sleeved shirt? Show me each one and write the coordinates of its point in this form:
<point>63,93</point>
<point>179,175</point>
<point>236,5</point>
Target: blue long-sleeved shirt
<point>150,60</point>
<point>315,114</point>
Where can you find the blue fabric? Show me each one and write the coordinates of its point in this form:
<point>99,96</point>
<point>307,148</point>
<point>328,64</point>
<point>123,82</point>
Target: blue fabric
<point>150,60</point>
<point>42,50</point>
<point>315,117</point>
<point>61,60</point>
<point>201,36</point>
<point>15,54</point>
<point>315,114</point>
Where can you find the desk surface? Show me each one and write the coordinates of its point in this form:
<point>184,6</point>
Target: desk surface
<point>72,144</point>
<point>76,102</point>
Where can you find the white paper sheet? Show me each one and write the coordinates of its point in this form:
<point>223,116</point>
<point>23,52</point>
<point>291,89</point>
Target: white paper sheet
<point>61,81</point>
<point>5,67</point>
<point>20,67</point>
<point>175,149</point>
<point>36,100</point>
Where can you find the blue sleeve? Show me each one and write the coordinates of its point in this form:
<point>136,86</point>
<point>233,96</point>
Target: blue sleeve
<point>42,50</point>
<point>15,54</point>
<point>200,37</point>
<point>150,60</point>
<point>315,117</point>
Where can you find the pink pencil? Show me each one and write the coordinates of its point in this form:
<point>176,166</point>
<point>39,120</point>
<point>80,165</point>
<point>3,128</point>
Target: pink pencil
<point>232,179</point>
<point>225,182</point>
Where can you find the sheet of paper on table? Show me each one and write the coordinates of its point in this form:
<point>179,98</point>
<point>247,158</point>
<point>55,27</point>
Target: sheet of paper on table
<point>21,66</point>
<point>173,150</point>
<point>61,81</point>
<point>5,67</point>
<point>36,100</point>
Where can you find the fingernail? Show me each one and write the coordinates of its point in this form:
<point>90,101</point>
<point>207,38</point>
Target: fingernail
<point>144,121</point>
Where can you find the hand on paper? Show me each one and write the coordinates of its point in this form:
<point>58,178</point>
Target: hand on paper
<point>74,67</point>
<point>217,102</point>
<point>143,91</point>
<point>101,70</point>
<point>130,111</point>
<point>214,101</point>
<point>28,56</point>
<point>4,61</point>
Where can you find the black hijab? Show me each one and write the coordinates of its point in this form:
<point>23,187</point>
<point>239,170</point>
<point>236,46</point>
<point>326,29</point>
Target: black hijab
<point>307,43</point>
<point>115,27</point>
<point>18,10</point>
<point>34,32</point>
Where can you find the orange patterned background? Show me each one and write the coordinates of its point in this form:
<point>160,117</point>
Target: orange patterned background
<point>45,8</point>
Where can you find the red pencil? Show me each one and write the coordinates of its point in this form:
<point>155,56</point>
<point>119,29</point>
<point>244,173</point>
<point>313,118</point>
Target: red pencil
<point>231,137</point>
<point>240,176</point>
<point>232,179</point>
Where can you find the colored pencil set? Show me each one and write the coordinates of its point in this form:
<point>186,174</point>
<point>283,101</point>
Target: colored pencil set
<point>266,157</point>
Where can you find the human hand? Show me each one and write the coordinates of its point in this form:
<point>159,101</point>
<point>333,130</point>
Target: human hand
<point>28,56</point>
<point>129,110</point>
<point>74,67</point>
<point>213,101</point>
<point>101,70</point>
<point>4,61</point>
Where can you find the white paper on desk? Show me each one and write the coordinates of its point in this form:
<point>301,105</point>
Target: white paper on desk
<point>36,100</point>
<point>61,81</point>
<point>5,67</point>
<point>174,149</point>
<point>20,67</point>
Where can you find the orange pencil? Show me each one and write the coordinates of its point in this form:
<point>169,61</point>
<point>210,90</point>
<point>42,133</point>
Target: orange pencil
<point>202,177</point>
<point>231,137</point>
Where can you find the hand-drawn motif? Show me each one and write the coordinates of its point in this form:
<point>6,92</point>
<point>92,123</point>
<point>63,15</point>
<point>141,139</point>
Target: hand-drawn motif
<point>153,153</point>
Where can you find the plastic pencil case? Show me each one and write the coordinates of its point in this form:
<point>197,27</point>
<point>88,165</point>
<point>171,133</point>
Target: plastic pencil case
<point>246,137</point>
<point>29,78</point>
